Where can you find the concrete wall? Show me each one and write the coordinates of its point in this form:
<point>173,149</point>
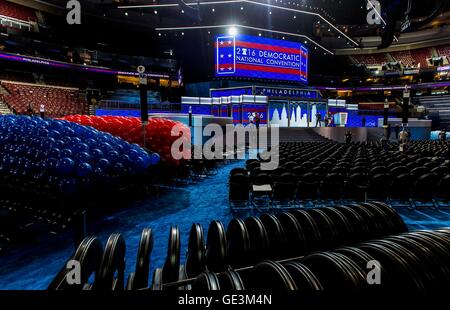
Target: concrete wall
<point>359,134</point>
<point>420,130</point>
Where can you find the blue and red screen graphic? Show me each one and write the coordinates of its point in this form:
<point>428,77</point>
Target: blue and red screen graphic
<point>257,57</point>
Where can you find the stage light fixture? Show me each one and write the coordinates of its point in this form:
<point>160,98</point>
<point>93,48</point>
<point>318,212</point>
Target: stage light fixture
<point>271,31</point>
<point>249,2</point>
<point>233,31</point>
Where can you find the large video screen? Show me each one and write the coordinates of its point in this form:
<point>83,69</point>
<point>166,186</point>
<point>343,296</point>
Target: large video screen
<point>258,57</point>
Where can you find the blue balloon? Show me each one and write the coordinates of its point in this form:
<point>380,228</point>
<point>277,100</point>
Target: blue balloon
<point>83,157</point>
<point>103,164</point>
<point>112,156</point>
<point>59,144</point>
<point>97,153</point>
<point>119,168</point>
<point>43,132</point>
<point>91,143</point>
<point>51,164</point>
<point>66,153</point>
<point>81,147</point>
<point>47,143</point>
<point>106,147</point>
<point>55,152</point>
<point>84,170</point>
<point>65,165</point>
<point>75,140</point>
<point>139,164</point>
<point>155,159</point>
<point>134,154</point>
<point>54,134</point>
<point>125,160</point>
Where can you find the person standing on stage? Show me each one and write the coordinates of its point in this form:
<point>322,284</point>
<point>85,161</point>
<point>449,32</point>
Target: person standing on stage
<point>403,136</point>
<point>330,119</point>
<point>318,119</point>
<point>348,137</point>
<point>257,120</point>
<point>397,131</point>
<point>443,135</point>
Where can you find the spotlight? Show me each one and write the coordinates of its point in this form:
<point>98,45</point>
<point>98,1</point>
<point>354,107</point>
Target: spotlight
<point>156,12</point>
<point>232,31</point>
<point>126,13</point>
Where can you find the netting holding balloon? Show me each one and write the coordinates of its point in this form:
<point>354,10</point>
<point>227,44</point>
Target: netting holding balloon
<point>158,133</point>
<point>65,157</point>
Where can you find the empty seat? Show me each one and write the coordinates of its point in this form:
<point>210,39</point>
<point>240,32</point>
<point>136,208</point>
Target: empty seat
<point>308,187</point>
<point>332,186</point>
<point>239,188</point>
<point>425,187</point>
<point>379,186</point>
<point>401,187</point>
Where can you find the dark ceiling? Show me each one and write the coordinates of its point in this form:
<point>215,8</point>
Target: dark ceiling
<point>135,30</point>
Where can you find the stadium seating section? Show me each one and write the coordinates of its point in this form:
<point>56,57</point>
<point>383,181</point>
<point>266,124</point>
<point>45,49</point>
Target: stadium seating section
<point>16,11</point>
<point>407,58</point>
<point>444,51</point>
<point>413,57</point>
<point>327,171</point>
<point>371,60</point>
<point>58,101</point>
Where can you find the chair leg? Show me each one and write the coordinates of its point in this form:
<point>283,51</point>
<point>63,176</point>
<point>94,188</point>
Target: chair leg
<point>435,204</point>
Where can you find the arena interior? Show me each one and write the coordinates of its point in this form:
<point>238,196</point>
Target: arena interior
<point>225,145</point>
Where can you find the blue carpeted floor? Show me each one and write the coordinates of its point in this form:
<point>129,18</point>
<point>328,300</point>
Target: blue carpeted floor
<point>33,266</point>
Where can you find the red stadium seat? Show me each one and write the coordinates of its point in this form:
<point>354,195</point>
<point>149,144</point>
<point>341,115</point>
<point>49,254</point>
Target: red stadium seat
<point>372,59</point>
<point>16,11</point>
<point>444,51</point>
<point>58,101</point>
<point>413,58</point>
